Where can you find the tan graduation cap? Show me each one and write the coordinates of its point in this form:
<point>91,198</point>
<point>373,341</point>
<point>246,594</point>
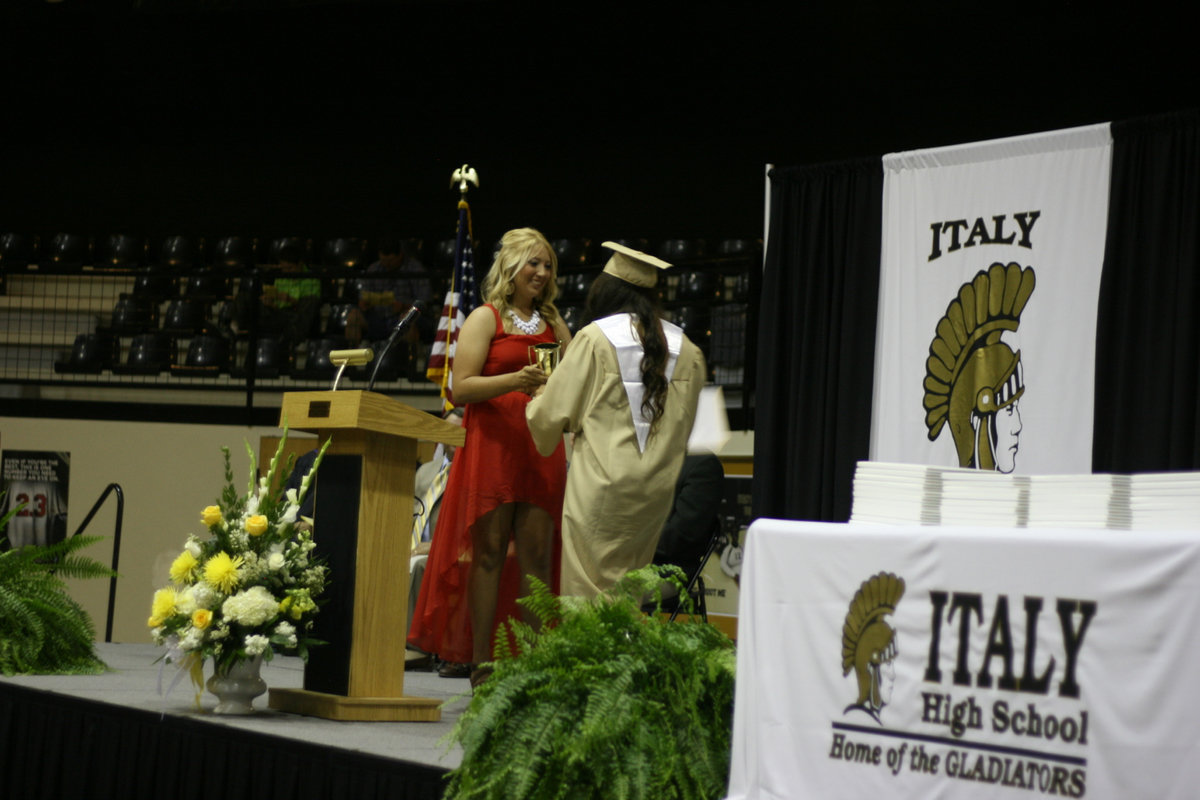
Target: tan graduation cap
<point>633,266</point>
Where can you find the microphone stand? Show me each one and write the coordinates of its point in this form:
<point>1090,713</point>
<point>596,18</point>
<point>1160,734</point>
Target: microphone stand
<point>400,328</point>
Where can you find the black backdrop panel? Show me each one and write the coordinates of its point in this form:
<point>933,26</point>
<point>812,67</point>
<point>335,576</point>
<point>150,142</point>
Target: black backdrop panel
<point>335,530</point>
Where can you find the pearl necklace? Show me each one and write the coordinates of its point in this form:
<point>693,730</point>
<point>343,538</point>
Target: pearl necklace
<point>528,328</point>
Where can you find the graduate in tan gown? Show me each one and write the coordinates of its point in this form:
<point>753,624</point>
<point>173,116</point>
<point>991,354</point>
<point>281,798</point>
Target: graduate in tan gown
<point>628,391</point>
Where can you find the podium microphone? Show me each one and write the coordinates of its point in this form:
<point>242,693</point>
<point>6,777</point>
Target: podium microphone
<point>404,324</point>
<point>407,319</point>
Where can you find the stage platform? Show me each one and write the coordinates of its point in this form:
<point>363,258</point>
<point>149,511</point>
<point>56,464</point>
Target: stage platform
<point>113,735</point>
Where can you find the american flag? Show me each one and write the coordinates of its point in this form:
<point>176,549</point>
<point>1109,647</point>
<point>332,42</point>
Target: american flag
<point>461,299</point>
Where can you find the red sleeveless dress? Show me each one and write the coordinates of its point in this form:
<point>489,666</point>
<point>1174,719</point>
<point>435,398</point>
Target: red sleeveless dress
<point>498,464</point>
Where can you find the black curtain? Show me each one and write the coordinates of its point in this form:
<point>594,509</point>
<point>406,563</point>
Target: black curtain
<point>816,339</point>
<point>1147,409</point>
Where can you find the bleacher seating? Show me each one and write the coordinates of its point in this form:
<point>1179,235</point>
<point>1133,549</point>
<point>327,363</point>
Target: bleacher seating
<point>122,309</point>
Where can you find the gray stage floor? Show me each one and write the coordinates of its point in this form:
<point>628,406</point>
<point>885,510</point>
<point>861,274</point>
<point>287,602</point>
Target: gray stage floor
<point>133,682</point>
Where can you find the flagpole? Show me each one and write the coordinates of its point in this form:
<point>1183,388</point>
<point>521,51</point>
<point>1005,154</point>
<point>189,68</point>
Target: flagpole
<point>462,294</point>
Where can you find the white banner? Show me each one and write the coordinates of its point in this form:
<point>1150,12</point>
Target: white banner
<point>987,307</point>
<point>966,663</point>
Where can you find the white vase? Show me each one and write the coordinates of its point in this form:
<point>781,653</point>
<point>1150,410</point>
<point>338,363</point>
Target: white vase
<point>237,686</point>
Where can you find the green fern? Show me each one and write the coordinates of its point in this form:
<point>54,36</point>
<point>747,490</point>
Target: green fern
<point>43,630</point>
<point>602,701</point>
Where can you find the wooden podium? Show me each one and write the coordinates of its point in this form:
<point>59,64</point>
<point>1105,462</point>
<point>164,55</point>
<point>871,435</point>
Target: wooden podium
<point>362,526</point>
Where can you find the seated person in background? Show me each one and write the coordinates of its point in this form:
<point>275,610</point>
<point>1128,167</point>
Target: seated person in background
<point>290,302</point>
<point>386,295</point>
<point>688,529</point>
<point>427,503</point>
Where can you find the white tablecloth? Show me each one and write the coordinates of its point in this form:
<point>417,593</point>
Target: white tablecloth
<point>1102,702</point>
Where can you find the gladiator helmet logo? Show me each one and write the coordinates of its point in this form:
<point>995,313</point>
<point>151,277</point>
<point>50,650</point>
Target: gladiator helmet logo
<point>974,380</point>
<point>869,642</point>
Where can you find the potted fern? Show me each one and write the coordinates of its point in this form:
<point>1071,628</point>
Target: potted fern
<point>43,631</point>
<point>603,701</point>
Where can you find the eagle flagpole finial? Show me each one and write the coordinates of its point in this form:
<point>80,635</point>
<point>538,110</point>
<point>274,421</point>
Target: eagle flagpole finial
<point>465,177</point>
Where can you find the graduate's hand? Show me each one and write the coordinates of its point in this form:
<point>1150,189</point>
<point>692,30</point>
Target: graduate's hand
<point>530,379</point>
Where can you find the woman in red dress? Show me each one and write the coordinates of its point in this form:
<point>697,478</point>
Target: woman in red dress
<point>501,491</point>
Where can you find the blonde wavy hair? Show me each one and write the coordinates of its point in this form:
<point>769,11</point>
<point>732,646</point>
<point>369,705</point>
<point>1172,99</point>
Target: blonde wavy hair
<point>516,248</point>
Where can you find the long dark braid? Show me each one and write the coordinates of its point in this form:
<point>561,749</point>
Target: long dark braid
<point>609,295</point>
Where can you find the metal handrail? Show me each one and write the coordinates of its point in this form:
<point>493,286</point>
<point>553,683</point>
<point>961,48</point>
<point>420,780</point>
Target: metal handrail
<point>116,555</point>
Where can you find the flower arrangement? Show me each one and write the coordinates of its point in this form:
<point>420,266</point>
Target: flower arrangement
<point>253,585</point>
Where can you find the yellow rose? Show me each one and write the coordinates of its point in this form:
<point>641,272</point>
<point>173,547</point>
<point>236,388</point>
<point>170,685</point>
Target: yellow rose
<point>211,515</point>
<point>161,607</point>
<point>201,618</point>
<point>256,525</point>
<point>183,568</point>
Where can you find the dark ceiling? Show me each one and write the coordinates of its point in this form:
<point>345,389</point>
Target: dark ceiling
<point>273,118</point>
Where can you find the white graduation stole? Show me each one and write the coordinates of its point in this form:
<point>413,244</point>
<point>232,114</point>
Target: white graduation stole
<point>620,332</point>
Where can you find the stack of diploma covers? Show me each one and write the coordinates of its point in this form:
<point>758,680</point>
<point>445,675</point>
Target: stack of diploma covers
<point>929,495</point>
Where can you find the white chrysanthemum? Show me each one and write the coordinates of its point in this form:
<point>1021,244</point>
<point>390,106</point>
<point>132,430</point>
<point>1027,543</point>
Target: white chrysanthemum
<point>185,601</point>
<point>255,645</point>
<point>251,607</point>
<point>203,595</point>
<point>251,507</point>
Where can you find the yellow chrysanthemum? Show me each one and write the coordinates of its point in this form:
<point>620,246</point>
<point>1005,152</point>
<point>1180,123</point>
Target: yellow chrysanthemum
<point>256,525</point>
<point>221,572</point>
<point>161,607</point>
<point>211,515</point>
<point>183,568</point>
<point>201,618</point>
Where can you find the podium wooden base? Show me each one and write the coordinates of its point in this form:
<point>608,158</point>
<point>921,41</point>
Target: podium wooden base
<point>355,709</point>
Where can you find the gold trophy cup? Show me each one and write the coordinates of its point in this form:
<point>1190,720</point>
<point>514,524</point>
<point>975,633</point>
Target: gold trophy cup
<point>545,355</point>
